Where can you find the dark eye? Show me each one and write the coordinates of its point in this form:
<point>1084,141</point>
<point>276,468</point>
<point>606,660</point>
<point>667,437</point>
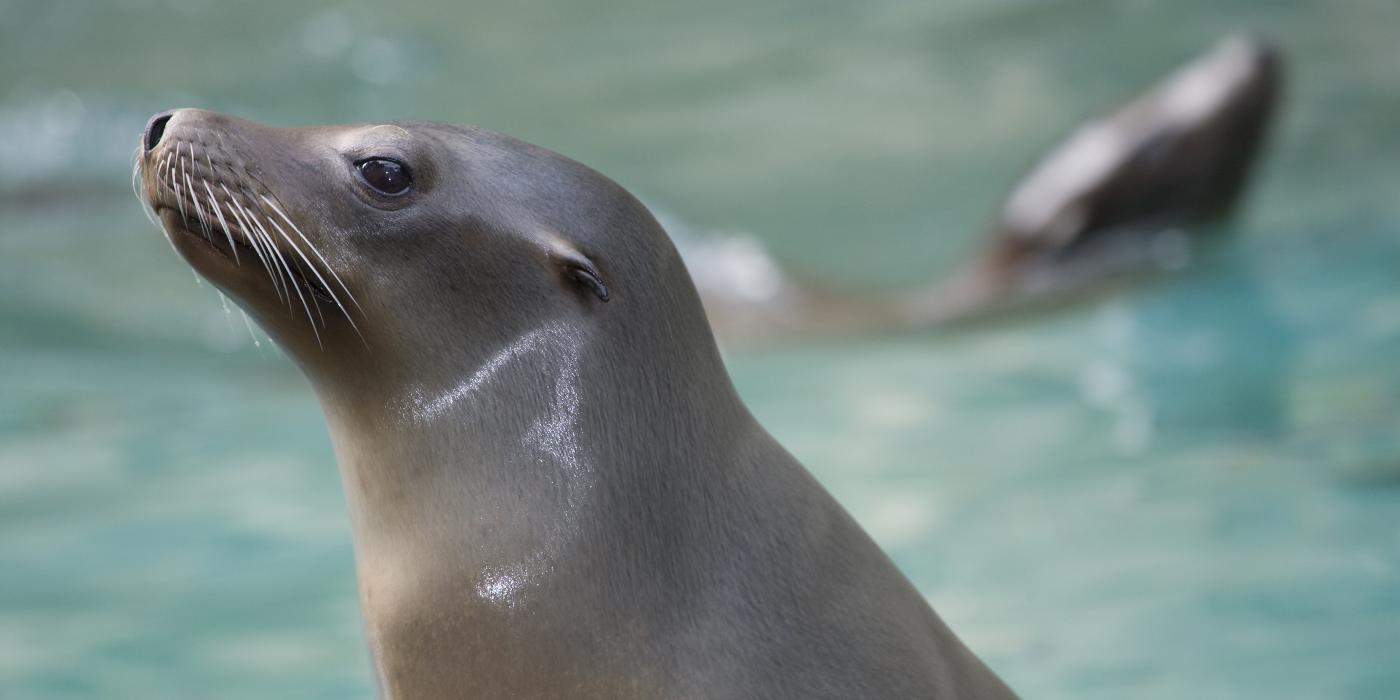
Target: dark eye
<point>387,176</point>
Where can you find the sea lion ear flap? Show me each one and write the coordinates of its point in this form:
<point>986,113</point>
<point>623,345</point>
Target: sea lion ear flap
<point>578,268</point>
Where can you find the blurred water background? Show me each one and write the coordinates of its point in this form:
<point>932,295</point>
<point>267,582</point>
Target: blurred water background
<point>1189,489</point>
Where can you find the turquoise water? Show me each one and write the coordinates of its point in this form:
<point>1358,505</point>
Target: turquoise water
<point>1190,488</point>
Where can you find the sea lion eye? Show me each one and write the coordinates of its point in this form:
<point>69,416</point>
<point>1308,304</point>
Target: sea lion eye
<point>387,176</point>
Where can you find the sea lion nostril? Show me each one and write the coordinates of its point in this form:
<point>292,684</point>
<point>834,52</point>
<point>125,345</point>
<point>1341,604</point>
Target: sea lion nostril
<point>155,129</point>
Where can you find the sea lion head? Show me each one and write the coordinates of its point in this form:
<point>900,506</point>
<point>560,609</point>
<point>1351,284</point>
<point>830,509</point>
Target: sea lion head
<point>371,247</point>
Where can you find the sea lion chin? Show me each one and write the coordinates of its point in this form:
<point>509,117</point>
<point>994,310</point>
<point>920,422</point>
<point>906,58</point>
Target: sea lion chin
<point>554,489</point>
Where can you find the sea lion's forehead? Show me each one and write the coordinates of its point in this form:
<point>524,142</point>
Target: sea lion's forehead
<point>395,128</point>
<point>357,137</point>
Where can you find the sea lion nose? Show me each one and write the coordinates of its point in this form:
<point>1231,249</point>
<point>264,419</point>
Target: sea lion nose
<point>155,128</point>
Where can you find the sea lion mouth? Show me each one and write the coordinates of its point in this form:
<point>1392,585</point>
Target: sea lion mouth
<point>230,243</point>
<point>233,247</point>
<point>205,199</point>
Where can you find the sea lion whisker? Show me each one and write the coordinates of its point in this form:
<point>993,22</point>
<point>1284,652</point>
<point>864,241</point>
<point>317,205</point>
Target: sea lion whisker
<point>315,295</point>
<point>175,189</point>
<point>218,212</point>
<point>135,173</point>
<point>250,212</point>
<point>318,255</point>
<point>194,198</point>
<point>252,242</point>
<point>207,160</point>
<point>137,170</point>
<point>250,235</point>
<point>273,254</point>
<point>198,210</point>
<point>296,286</point>
<point>312,267</point>
<point>292,279</point>
<point>160,172</point>
<point>214,200</point>
<point>316,290</point>
<point>180,199</point>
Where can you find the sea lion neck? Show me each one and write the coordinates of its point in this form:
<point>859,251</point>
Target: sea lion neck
<point>495,493</point>
<point>549,413</point>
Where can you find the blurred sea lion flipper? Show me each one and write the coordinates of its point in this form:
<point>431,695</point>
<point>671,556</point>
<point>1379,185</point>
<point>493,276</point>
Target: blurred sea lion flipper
<point>1176,158</point>
<point>1123,194</point>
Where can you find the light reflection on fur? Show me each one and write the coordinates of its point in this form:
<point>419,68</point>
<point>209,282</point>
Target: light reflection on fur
<point>552,438</point>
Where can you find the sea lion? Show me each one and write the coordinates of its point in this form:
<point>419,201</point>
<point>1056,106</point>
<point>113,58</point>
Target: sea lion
<point>1126,194</point>
<point>553,487</point>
